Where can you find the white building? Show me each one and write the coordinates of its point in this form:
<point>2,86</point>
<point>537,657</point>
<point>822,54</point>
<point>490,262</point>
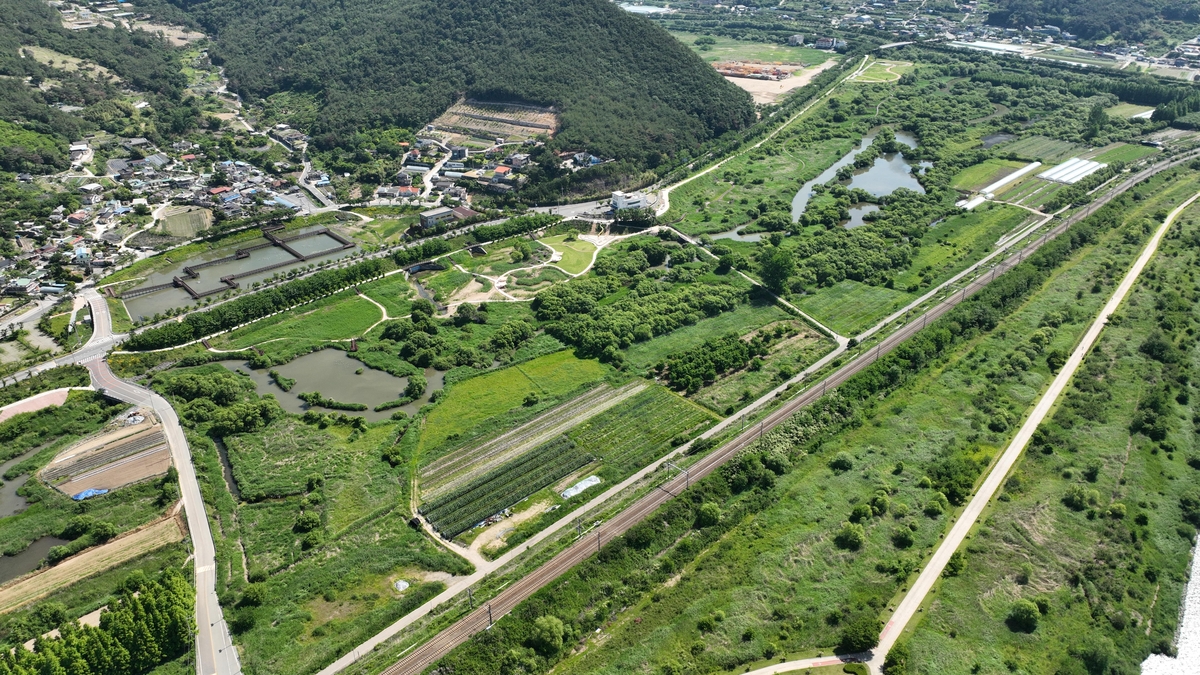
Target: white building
<point>629,200</point>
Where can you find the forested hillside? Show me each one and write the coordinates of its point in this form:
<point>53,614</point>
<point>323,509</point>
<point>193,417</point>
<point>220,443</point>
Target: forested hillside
<point>624,86</point>
<point>35,135</point>
<point>1133,20</point>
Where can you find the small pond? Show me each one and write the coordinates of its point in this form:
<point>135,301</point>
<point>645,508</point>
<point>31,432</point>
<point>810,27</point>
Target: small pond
<point>28,560</point>
<point>887,174</point>
<point>332,372</point>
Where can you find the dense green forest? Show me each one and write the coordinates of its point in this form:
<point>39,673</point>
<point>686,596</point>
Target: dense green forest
<point>1091,20</point>
<point>624,86</point>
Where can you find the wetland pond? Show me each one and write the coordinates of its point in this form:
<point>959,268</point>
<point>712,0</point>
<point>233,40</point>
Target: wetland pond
<point>334,373</point>
<point>887,174</point>
<point>264,256</point>
<point>28,560</point>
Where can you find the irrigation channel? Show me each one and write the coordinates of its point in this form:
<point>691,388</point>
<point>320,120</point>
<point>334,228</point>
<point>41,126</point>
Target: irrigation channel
<point>232,267</point>
<point>424,655</point>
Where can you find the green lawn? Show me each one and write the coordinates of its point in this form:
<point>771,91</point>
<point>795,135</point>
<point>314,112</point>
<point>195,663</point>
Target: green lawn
<point>985,173</point>
<point>1127,110</point>
<point>121,323</point>
<point>338,317</point>
<point>474,402</point>
<point>850,307</point>
<point>643,355</point>
<point>393,292</point>
<point>729,49</point>
<point>1125,153</point>
<point>577,255</point>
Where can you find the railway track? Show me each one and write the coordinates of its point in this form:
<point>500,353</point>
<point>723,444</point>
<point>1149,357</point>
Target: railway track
<point>428,653</point>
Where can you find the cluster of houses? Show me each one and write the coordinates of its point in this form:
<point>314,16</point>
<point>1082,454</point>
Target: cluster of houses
<point>486,170</point>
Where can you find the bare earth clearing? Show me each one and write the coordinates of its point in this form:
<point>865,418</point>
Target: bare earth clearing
<point>770,91</point>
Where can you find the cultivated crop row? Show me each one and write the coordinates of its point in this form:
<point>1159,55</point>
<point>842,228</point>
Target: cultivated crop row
<point>633,433</point>
<point>455,512</point>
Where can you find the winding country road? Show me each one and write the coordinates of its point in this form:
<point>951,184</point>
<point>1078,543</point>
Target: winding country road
<point>215,654</point>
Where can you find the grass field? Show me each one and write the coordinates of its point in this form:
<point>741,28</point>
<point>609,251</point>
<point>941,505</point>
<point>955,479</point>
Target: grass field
<point>957,241</point>
<point>850,307</point>
<point>1047,150</point>
<point>338,317</point>
<point>91,561</point>
<point>1127,110</point>
<point>446,283</point>
<point>747,317</point>
<point>786,358</point>
<point>983,174</point>
<point>121,323</point>
<point>472,403</point>
<point>186,221</point>
<point>393,292</point>
<point>1125,153</point>
<point>577,255</point>
<point>1030,543</point>
<point>728,49</point>
<point>884,71</point>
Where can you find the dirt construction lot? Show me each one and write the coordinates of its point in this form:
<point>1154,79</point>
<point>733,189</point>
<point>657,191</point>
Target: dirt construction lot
<point>92,561</point>
<point>770,91</point>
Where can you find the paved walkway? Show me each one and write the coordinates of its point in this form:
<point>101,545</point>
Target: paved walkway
<point>45,399</point>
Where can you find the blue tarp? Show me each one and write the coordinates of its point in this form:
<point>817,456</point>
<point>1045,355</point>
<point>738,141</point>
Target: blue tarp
<point>90,492</point>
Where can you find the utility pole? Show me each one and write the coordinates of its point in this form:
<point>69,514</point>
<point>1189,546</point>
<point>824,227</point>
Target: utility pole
<point>490,622</point>
<point>597,541</point>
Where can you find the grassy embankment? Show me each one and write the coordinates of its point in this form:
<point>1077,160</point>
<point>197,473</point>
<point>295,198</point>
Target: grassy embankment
<point>1110,570</point>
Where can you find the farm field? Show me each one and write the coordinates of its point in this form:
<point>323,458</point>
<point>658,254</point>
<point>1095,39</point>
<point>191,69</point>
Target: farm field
<point>1125,153</point>
<point>337,317</point>
<point>985,173</point>
<point>1034,538</point>
<point>850,307</point>
<point>472,404</point>
<point>577,255</point>
<point>467,463</point>
<point>185,221</point>
<point>1031,192</point>
<point>458,509</point>
<point>1046,150</point>
<point>729,49</point>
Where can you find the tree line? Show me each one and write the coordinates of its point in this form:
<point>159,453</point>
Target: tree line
<point>137,634</point>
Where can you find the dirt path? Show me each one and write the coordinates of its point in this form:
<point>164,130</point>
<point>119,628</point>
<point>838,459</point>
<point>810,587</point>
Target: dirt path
<point>92,561</point>
<point>493,536</point>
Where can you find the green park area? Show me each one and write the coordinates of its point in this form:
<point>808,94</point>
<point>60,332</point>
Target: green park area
<point>719,48</point>
<point>576,254</point>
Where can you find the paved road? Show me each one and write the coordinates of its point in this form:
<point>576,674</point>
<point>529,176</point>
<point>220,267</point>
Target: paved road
<point>428,653</point>
<point>215,654</point>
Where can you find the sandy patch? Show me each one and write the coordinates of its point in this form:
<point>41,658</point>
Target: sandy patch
<point>492,538</point>
<point>473,293</point>
<point>769,91</point>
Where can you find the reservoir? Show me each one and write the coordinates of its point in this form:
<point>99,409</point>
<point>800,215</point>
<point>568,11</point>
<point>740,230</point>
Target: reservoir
<point>332,372</point>
<point>887,174</point>
<point>243,264</point>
